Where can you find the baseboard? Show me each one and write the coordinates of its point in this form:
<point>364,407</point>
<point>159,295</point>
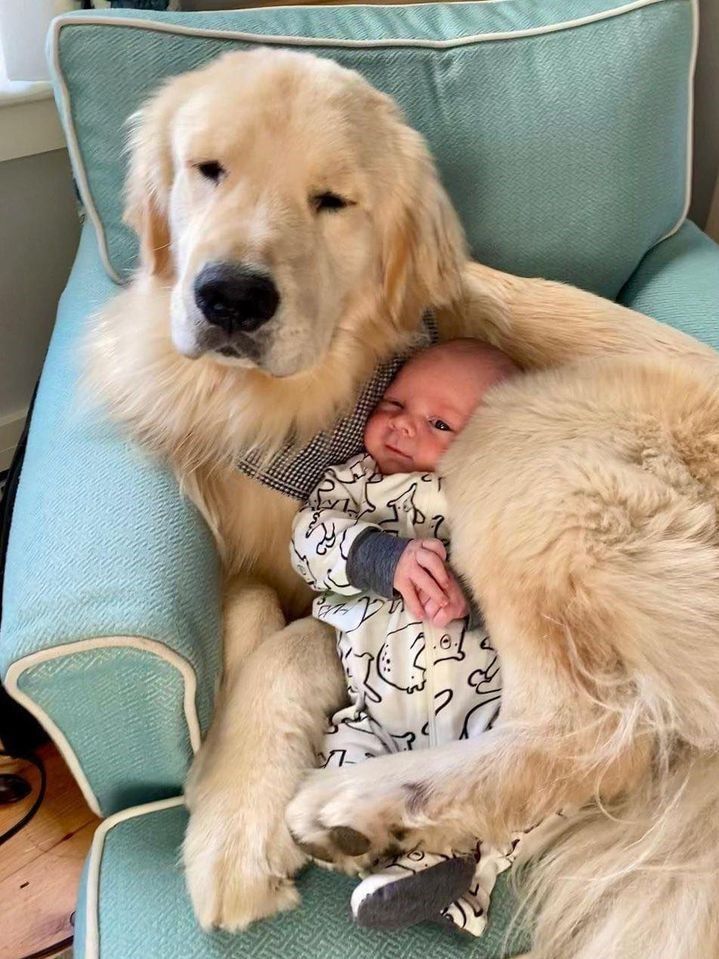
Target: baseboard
<point>11,428</point>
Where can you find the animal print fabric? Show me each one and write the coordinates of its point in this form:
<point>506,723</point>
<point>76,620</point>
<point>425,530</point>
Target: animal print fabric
<point>410,685</point>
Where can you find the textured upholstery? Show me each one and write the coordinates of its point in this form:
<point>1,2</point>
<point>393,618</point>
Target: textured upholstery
<point>103,545</point>
<point>138,877</point>
<point>121,553</point>
<point>677,282</point>
<point>565,151</point>
<point>122,712</point>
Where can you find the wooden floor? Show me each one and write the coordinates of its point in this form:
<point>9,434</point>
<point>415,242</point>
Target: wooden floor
<point>40,866</point>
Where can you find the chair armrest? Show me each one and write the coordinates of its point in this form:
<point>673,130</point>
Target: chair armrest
<point>677,283</point>
<point>110,631</point>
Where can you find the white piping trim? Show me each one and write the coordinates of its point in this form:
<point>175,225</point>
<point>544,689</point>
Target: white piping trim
<point>281,39</point>
<point>92,890</point>
<point>73,147</point>
<point>153,647</point>
<point>690,125</point>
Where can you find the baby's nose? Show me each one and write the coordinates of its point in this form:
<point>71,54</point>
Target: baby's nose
<point>403,424</point>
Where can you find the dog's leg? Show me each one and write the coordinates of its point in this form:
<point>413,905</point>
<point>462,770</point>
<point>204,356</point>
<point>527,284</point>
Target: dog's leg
<point>506,781</point>
<point>541,323</point>
<point>528,767</point>
<point>491,787</point>
<point>278,687</point>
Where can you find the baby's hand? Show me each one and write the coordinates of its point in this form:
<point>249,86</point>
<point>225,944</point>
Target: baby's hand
<point>456,607</point>
<point>421,567</point>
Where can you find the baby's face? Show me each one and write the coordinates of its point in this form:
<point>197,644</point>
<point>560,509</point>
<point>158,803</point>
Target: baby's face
<point>423,409</point>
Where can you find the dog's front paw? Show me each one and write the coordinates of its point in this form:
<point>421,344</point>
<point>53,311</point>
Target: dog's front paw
<point>351,815</point>
<point>238,871</point>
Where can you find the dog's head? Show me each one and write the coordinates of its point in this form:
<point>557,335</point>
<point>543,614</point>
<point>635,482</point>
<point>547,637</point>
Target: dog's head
<point>283,198</point>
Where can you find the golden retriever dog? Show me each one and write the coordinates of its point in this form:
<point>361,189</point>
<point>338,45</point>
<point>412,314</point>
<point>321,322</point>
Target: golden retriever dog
<point>293,232</point>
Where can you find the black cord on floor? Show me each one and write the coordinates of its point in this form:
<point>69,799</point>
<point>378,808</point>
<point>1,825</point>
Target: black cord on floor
<point>14,830</point>
<point>49,950</point>
<point>38,764</point>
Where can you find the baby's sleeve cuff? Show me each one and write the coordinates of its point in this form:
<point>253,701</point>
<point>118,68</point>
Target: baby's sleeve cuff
<point>372,560</point>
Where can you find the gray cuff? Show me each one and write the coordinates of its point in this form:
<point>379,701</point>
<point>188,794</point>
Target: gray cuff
<point>372,560</point>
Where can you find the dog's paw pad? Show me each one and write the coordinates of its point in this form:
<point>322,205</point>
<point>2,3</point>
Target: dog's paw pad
<point>349,841</point>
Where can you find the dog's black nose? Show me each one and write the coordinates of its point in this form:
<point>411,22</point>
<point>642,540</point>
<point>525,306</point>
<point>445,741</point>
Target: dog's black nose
<point>234,297</point>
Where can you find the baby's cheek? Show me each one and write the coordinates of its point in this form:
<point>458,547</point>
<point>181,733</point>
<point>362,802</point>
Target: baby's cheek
<point>372,434</point>
<point>440,442</point>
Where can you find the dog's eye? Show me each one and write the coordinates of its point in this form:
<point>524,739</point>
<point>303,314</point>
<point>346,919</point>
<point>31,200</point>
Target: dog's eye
<point>211,170</point>
<point>329,201</point>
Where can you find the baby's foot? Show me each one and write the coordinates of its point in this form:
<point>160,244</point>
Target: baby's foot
<point>415,888</point>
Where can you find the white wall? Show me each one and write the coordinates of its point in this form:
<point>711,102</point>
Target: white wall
<point>38,237</point>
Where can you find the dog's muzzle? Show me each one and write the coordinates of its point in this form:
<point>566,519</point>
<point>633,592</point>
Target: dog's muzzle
<point>235,298</point>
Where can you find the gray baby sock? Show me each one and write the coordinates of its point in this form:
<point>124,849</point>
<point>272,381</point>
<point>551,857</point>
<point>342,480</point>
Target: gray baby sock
<point>383,901</point>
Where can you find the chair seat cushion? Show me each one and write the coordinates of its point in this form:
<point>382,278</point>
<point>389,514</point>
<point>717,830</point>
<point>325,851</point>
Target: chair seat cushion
<point>133,904</point>
<point>678,283</point>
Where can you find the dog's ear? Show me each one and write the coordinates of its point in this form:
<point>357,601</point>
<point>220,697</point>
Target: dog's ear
<point>423,245</point>
<point>149,180</point>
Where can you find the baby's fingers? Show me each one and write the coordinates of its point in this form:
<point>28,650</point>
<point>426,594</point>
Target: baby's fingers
<point>430,561</point>
<point>423,581</point>
<point>441,618</point>
<point>454,609</point>
<point>411,600</point>
<point>435,546</point>
<point>430,610</point>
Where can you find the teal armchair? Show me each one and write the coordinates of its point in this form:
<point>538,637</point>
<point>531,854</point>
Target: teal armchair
<point>563,144</point>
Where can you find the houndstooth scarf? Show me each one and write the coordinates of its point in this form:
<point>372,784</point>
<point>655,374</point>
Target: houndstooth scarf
<point>296,471</point>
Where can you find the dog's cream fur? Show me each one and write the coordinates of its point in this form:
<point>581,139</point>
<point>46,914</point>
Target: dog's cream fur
<point>584,497</point>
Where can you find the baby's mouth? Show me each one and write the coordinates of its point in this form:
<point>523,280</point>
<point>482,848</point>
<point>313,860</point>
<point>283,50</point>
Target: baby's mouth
<point>393,449</point>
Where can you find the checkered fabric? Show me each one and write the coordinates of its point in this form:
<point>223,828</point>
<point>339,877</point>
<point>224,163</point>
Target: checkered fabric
<point>295,471</point>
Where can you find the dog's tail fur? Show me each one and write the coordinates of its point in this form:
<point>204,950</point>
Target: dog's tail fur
<point>638,878</point>
<point>637,881</point>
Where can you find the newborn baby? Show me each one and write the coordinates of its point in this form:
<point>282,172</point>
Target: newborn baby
<point>374,539</point>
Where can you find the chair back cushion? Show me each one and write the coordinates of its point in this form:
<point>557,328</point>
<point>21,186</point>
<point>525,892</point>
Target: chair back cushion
<point>562,135</point>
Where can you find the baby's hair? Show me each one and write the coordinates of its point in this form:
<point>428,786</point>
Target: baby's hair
<point>504,366</point>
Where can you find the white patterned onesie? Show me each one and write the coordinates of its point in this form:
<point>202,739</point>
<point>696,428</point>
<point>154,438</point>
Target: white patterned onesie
<point>411,685</point>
